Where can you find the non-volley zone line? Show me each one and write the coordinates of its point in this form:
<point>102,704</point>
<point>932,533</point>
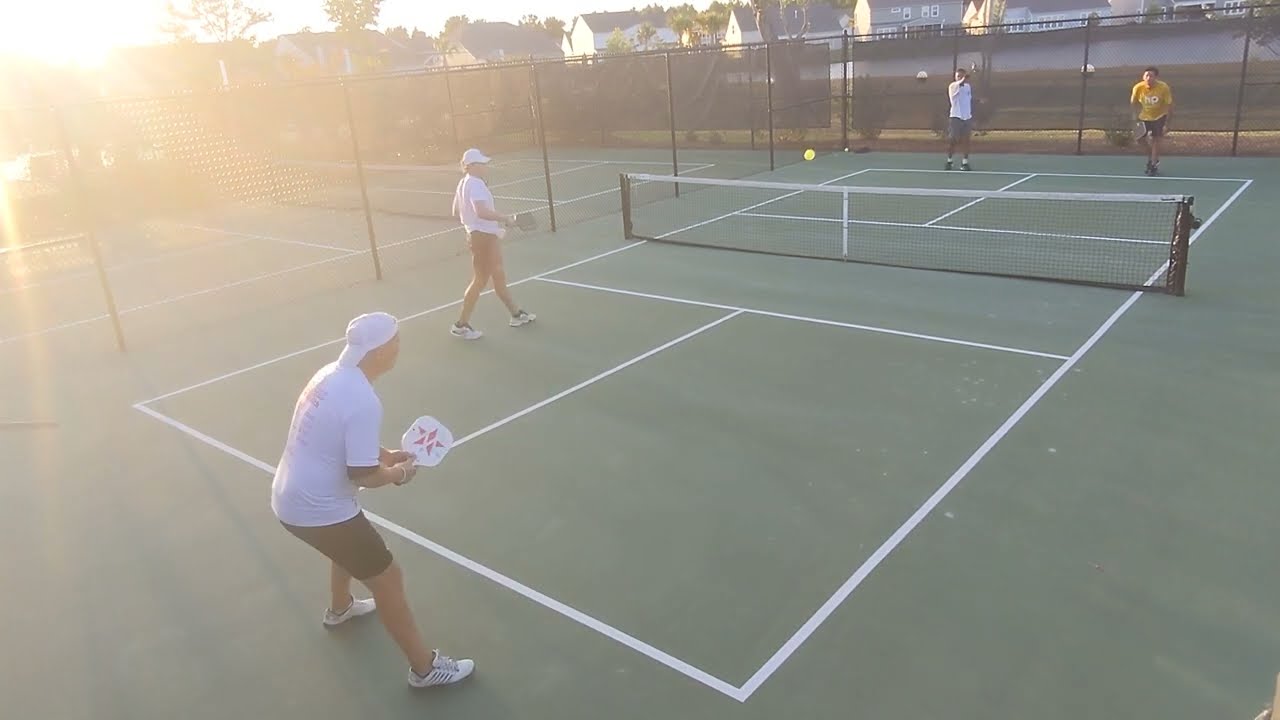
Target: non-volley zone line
<point>803,318</point>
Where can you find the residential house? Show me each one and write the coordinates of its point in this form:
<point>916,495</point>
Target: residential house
<point>334,53</point>
<point>588,34</point>
<point>488,42</point>
<point>888,19</point>
<point>1036,15</point>
<point>817,21</point>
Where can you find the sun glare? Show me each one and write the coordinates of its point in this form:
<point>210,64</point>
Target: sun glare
<point>75,32</point>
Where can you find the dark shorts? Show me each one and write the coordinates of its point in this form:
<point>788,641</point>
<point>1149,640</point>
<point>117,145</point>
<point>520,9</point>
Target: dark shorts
<point>484,249</point>
<point>353,545</point>
<point>959,129</point>
<point>1155,128</point>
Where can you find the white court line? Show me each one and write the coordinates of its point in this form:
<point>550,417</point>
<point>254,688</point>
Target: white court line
<point>217,288</point>
<point>863,571</point>
<point>415,315</point>
<point>112,268</point>
<point>252,236</point>
<point>593,380</point>
<point>543,176</point>
<point>1069,175</point>
<point>956,228</point>
<point>542,599</point>
<point>971,203</point>
<point>805,319</point>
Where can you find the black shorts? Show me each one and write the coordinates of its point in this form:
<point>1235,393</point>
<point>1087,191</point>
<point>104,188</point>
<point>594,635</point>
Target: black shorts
<point>1155,128</point>
<point>353,545</point>
<point>484,248</point>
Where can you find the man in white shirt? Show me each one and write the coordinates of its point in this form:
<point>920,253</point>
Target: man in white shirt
<point>473,205</point>
<point>960,121</point>
<point>332,451</point>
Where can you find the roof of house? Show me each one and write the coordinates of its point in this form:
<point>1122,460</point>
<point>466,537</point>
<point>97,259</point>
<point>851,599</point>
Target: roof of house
<point>491,39</point>
<point>604,22</point>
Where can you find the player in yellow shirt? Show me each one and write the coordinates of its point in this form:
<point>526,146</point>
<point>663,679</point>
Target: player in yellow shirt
<point>1153,102</point>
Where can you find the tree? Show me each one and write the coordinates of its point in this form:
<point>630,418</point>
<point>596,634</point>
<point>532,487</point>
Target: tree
<point>716,19</point>
<point>618,43</point>
<point>530,21</point>
<point>682,20</point>
<point>220,20</point>
<point>645,34</point>
<point>398,33</point>
<point>555,28</point>
<point>352,15</point>
<point>453,25</point>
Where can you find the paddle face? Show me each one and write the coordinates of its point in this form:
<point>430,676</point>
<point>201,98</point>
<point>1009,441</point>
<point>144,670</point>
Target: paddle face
<point>526,221</point>
<point>428,440</point>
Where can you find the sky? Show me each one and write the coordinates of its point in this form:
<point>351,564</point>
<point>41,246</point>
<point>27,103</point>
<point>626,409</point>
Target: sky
<point>82,31</point>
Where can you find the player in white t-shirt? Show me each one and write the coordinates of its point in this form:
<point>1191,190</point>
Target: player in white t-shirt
<point>332,451</point>
<point>473,205</point>
<point>960,120</point>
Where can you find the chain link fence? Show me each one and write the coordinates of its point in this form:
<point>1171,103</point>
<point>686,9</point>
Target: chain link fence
<point>159,212</point>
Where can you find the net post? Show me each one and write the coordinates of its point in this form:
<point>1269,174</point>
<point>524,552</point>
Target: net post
<point>364,190</point>
<point>86,217</point>
<point>542,140</point>
<point>1244,70</point>
<point>1084,87</point>
<point>844,223</point>
<point>624,187</point>
<point>1176,277</point>
<point>671,118</point>
<point>768,79</point>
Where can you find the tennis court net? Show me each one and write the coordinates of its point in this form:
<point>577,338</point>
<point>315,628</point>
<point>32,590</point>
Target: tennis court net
<point>1128,241</point>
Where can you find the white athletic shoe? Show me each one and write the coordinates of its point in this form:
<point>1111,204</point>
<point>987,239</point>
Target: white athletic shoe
<point>466,332</point>
<point>357,608</point>
<point>522,318</point>
<point>444,671</point>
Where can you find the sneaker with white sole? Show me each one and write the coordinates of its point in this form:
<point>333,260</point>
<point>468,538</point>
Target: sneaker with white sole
<point>444,671</point>
<point>466,332</point>
<point>355,610</point>
<point>522,318</point>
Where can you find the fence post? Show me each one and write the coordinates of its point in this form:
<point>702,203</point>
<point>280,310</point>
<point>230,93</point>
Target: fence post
<point>844,92</point>
<point>87,218</point>
<point>364,191</point>
<point>542,141</point>
<point>768,80</point>
<point>671,118</point>
<point>453,111</point>
<point>1244,70</point>
<point>1084,86</point>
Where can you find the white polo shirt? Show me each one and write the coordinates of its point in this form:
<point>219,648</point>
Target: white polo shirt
<point>336,423</point>
<point>961,100</point>
<point>472,193</point>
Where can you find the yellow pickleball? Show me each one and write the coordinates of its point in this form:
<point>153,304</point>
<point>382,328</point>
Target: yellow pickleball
<point>809,154</point>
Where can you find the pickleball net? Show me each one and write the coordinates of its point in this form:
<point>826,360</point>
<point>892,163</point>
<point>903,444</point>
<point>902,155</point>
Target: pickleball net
<point>1127,241</point>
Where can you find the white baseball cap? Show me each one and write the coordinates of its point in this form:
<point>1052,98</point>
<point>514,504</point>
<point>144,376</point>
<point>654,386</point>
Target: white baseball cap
<point>474,157</point>
<point>365,334</point>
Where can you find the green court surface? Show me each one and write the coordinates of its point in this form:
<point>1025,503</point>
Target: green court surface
<point>704,484</point>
